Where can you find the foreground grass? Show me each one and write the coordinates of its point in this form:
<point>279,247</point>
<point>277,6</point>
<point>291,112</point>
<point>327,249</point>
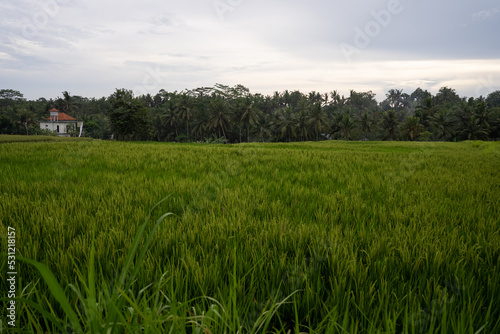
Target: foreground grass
<point>328,237</point>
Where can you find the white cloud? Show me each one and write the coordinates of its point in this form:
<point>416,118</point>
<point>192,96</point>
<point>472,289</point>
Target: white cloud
<point>484,14</point>
<point>5,56</point>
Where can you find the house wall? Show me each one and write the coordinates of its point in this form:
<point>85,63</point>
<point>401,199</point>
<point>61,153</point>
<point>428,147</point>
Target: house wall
<point>52,126</point>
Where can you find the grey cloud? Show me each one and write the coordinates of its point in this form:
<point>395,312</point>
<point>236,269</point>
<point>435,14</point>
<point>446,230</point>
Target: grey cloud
<point>28,63</point>
<point>31,22</point>
<point>427,30</point>
<point>191,42</point>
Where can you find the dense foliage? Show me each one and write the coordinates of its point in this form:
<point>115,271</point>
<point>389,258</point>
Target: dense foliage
<point>355,237</point>
<point>236,115</point>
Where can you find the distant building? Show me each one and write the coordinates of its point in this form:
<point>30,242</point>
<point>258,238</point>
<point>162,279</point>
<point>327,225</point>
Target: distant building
<point>60,123</point>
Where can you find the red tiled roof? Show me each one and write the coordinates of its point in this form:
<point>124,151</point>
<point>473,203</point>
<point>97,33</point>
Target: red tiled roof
<point>62,116</point>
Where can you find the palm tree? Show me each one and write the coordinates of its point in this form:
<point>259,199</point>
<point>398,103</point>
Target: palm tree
<point>170,119</point>
<point>67,104</point>
<point>199,129</point>
<point>157,127</point>
<point>471,120</point>
<point>303,125</point>
<point>315,97</point>
<point>481,111</point>
<point>335,120</point>
<point>276,100</point>
<point>250,116</point>
<point>220,119</point>
<point>447,97</point>
<point>318,119</point>
<point>325,99</point>
<point>347,125</point>
<point>365,124</point>
<point>183,109</point>
<point>474,129</point>
<point>443,122</point>
<point>286,98</point>
<point>264,125</point>
<point>411,128</point>
<point>338,100</point>
<point>425,112</point>
<point>286,122</point>
<point>390,123</point>
<point>494,121</point>
<point>396,99</point>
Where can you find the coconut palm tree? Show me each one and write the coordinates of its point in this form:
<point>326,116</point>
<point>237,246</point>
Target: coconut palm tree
<point>67,104</point>
<point>318,119</point>
<point>220,119</point>
<point>396,99</point>
<point>447,97</point>
<point>443,122</point>
<point>347,126</point>
<point>250,115</point>
<point>366,124</point>
<point>337,100</point>
<point>286,98</point>
<point>157,127</point>
<point>199,129</point>
<point>474,129</point>
<point>170,119</point>
<point>263,126</point>
<point>411,128</point>
<point>426,111</point>
<point>184,110</point>
<point>390,123</point>
<point>494,122</point>
<point>302,126</point>
<point>335,120</point>
<point>315,97</point>
<point>472,118</point>
<point>286,123</point>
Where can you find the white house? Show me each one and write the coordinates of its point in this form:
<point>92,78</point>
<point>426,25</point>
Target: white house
<point>60,123</point>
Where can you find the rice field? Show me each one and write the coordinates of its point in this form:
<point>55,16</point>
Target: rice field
<point>21,138</point>
<point>323,237</point>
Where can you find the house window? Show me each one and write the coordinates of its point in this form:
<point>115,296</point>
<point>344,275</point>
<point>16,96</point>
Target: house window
<point>46,126</point>
<point>58,129</point>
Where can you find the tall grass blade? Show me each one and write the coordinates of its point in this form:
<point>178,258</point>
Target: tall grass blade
<point>57,291</point>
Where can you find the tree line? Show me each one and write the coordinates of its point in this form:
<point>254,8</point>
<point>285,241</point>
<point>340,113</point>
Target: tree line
<point>233,114</point>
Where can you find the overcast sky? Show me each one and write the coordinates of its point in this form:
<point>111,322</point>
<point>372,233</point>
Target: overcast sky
<point>92,47</point>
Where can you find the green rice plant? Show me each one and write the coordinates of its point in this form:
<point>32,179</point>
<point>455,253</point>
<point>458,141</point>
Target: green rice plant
<point>328,237</point>
<point>21,138</point>
<point>121,310</point>
<point>114,302</point>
